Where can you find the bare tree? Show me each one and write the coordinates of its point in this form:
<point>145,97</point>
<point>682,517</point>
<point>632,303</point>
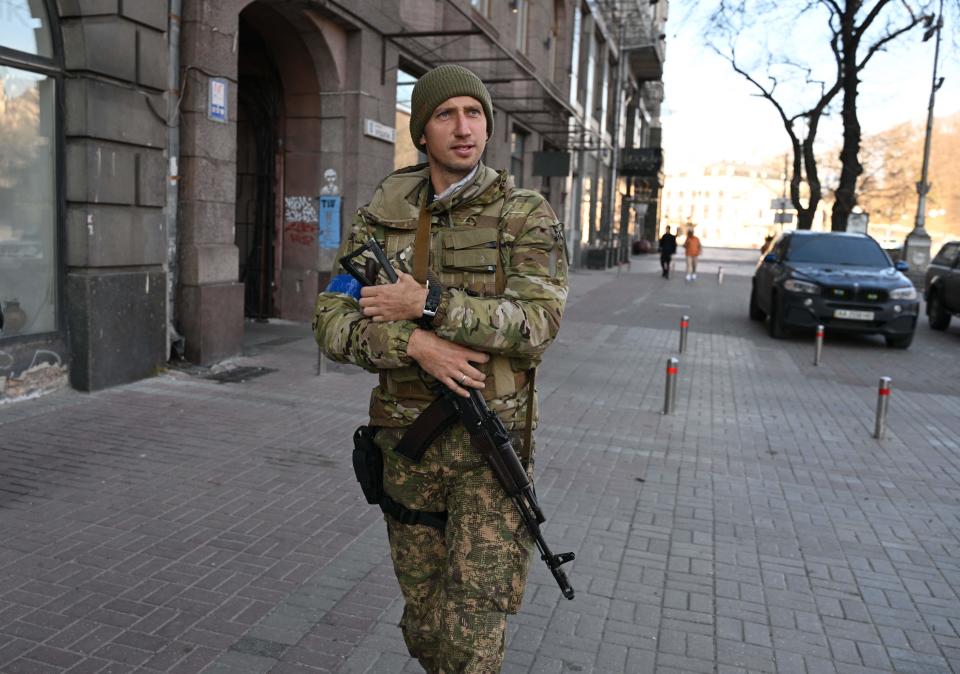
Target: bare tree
<point>857,31</point>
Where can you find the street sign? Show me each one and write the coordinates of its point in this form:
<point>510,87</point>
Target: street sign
<point>857,223</point>
<point>379,131</point>
<point>782,218</point>
<point>781,204</point>
<point>328,225</point>
<point>641,161</point>
<point>551,164</point>
<point>217,100</point>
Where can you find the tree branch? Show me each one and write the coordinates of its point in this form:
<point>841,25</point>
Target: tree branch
<point>878,45</point>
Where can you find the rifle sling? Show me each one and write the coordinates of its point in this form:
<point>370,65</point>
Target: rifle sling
<point>426,428</point>
<point>439,416</point>
<point>421,244</point>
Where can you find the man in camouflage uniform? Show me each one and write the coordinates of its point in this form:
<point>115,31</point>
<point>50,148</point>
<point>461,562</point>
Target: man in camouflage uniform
<point>498,260</point>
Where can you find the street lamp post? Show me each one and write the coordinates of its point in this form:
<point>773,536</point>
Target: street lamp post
<point>916,248</point>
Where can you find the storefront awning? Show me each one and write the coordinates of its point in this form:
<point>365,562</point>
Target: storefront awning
<point>515,85</point>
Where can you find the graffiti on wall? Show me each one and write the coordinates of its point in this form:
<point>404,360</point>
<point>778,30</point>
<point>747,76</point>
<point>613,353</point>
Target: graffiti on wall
<point>300,221</point>
<point>44,373</point>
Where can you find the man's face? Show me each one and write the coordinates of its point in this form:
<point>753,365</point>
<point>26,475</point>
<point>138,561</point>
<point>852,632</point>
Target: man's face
<point>456,135</point>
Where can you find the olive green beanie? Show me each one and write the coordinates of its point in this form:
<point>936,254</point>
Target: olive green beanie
<point>437,86</point>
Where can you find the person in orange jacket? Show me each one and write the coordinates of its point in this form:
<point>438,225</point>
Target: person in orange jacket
<point>691,246</point>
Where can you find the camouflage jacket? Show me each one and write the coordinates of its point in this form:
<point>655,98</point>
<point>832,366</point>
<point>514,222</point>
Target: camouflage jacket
<point>499,253</point>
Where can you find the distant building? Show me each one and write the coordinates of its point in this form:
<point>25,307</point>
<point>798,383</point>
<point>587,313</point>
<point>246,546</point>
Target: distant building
<point>731,204</point>
<point>616,91</point>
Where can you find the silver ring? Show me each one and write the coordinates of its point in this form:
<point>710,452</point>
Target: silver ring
<point>463,378</point>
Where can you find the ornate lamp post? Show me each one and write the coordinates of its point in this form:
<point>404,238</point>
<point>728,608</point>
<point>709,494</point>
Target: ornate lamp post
<point>916,248</point>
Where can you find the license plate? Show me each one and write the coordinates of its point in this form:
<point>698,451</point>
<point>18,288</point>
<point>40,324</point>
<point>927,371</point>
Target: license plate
<point>853,315</point>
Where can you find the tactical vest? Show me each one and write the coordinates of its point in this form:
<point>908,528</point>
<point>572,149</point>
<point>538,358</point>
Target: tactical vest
<point>467,251</point>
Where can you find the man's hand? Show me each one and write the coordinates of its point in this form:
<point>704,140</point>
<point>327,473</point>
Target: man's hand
<point>449,363</point>
<point>403,300</point>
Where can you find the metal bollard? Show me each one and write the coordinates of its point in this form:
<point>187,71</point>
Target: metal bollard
<point>670,390</point>
<point>684,324</point>
<point>818,349</point>
<point>720,275</point>
<point>321,363</point>
<point>883,398</point>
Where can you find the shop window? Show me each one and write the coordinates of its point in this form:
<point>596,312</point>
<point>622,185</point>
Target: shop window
<point>29,213</point>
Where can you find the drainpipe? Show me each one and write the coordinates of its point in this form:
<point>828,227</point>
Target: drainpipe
<point>175,341</point>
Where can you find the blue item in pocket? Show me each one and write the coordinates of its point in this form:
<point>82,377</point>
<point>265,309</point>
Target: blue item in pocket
<point>346,284</point>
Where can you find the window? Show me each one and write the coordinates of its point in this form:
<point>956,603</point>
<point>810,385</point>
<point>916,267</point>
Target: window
<point>519,8</point>
<point>947,255</point>
<point>599,78</point>
<point>482,6</point>
<point>518,142</point>
<point>589,69</point>
<point>24,27</point>
<point>575,54</point>
<point>851,251</point>
<point>29,213</point>
<point>405,153</point>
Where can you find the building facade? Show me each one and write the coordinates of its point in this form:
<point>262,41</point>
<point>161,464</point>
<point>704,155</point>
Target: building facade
<point>170,170</point>
<point>616,90</point>
<point>731,204</point>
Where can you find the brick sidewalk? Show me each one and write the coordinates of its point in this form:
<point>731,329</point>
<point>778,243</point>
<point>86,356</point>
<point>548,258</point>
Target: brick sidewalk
<point>184,525</point>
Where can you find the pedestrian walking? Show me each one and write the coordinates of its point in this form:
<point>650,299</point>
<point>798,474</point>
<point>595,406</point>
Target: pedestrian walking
<point>691,246</point>
<point>482,284</point>
<point>668,246</point>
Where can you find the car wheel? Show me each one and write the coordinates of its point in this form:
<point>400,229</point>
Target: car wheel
<point>899,341</point>
<point>937,313</point>
<point>775,318</point>
<point>756,313</point>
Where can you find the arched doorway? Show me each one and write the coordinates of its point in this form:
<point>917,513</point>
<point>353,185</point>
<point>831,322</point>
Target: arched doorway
<point>250,237</point>
<point>279,168</point>
<point>260,117</point>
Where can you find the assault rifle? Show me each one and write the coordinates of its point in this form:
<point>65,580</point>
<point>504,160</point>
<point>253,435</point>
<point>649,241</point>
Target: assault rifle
<point>489,437</point>
<point>487,434</point>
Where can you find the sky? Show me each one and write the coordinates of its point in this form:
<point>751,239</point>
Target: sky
<point>710,113</point>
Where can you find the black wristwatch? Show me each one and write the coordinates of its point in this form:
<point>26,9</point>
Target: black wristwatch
<point>434,289</point>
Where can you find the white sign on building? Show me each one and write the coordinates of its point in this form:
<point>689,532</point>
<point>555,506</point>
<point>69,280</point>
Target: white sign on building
<point>380,131</point>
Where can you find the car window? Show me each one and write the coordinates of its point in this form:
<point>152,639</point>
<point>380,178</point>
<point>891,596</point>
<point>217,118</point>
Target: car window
<point>781,246</point>
<point>839,250</point>
<point>947,255</point>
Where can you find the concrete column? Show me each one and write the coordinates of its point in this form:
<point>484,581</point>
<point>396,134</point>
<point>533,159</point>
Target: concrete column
<point>115,239</point>
<point>209,297</point>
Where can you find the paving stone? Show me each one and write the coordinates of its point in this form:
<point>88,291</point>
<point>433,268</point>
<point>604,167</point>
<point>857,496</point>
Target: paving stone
<point>181,525</point>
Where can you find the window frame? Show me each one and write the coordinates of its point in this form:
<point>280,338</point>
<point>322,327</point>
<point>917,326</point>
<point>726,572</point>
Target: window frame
<point>53,68</point>
<point>518,133</point>
<point>522,43</point>
<point>481,7</point>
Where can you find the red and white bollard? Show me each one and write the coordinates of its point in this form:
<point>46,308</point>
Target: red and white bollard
<point>883,399</point>
<point>670,391</point>
<point>684,324</point>
<point>818,349</point>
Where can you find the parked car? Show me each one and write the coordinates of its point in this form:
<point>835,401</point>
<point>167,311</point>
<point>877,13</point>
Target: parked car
<point>941,286</point>
<point>845,282</point>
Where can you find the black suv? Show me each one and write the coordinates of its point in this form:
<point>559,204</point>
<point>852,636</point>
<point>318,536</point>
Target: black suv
<point>941,286</point>
<point>845,282</point>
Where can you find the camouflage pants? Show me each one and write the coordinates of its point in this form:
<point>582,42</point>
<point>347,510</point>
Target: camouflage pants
<point>459,584</point>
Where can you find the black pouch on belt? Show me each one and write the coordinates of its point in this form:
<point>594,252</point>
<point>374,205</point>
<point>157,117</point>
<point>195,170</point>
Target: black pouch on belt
<point>368,464</point>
